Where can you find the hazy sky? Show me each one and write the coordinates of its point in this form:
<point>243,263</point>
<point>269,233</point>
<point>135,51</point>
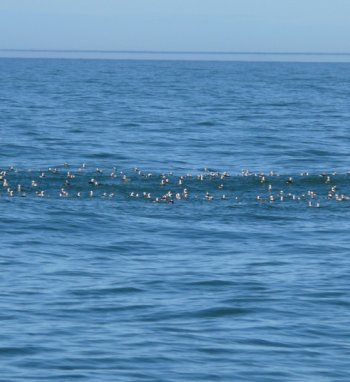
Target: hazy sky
<point>197,25</point>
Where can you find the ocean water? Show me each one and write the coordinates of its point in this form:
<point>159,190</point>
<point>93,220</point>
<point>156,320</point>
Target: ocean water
<point>174,221</point>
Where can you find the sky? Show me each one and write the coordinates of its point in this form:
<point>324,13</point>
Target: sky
<point>177,25</point>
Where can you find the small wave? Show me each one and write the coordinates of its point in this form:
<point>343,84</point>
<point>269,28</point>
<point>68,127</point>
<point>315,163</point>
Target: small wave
<point>207,123</point>
<point>106,291</point>
<point>212,283</point>
<point>266,343</point>
<point>222,312</point>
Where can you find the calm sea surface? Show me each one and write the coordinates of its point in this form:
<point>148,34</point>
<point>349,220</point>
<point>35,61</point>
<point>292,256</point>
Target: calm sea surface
<point>174,221</point>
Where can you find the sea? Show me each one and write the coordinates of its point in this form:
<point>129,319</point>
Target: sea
<point>168,220</point>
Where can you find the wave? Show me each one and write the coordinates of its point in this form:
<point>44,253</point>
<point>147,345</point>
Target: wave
<point>167,187</point>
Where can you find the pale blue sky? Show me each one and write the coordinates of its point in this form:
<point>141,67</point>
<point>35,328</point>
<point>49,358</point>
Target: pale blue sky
<point>185,25</point>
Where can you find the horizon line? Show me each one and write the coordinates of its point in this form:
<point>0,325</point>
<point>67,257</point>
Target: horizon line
<point>109,51</point>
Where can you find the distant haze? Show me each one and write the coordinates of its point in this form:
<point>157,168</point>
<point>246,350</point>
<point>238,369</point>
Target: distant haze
<point>177,25</point>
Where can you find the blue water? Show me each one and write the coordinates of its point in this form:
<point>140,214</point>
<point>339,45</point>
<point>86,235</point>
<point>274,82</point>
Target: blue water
<point>111,271</point>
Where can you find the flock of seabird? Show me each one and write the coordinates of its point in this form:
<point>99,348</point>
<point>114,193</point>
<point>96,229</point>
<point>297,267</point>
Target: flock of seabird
<point>207,185</point>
